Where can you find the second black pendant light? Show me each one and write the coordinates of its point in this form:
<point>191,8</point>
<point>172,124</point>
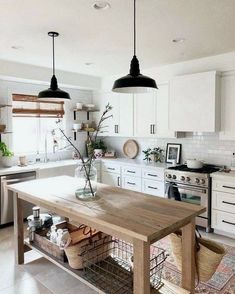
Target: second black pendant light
<point>53,92</point>
<point>134,82</point>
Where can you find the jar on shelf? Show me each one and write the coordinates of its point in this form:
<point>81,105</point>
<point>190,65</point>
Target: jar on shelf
<point>87,181</point>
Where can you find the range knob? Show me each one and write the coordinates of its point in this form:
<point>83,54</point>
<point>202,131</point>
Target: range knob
<point>197,181</point>
<point>202,181</point>
<point>188,179</point>
<point>182,178</point>
<point>169,176</point>
<point>174,177</point>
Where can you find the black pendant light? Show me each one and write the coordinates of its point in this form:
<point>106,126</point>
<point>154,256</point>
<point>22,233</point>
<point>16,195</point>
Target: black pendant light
<point>54,92</point>
<point>134,82</point>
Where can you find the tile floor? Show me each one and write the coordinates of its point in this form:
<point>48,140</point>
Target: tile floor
<point>39,276</point>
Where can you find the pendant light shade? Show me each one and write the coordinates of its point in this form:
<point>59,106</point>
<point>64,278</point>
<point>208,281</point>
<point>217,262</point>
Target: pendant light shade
<point>134,82</point>
<point>53,92</point>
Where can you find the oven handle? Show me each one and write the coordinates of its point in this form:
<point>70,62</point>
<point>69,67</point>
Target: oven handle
<point>190,189</point>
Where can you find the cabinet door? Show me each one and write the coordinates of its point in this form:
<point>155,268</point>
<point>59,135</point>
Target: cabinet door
<point>227,107</point>
<point>113,122</point>
<point>144,112</point>
<point>111,179</point>
<point>194,103</point>
<point>126,114</point>
<point>162,113</point>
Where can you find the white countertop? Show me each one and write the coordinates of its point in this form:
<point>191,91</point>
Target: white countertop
<point>37,166</point>
<point>53,164</point>
<point>224,175</point>
<point>136,162</point>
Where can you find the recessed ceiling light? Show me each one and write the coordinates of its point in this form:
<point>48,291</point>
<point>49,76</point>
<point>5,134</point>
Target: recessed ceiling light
<point>178,40</point>
<point>16,47</point>
<point>100,5</point>
<point>88,63</point>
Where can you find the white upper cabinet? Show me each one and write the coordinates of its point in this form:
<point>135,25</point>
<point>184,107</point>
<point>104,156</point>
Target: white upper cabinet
<point>144,114</point>
<point>195,103</point>
<point>151,114</point>
<point>121,124</point>
<point>228,106</point>
<point>162,129</point>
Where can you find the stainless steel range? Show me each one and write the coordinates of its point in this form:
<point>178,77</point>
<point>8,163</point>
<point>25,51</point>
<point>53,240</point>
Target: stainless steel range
<point>194,186</point>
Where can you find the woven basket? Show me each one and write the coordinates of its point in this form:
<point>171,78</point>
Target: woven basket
<point>75,250</point>
<point>207,258</point>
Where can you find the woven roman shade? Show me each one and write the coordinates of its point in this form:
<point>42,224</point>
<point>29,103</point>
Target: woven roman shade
<point>32,106</point>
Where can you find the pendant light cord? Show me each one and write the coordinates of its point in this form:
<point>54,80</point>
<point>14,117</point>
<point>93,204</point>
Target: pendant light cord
<point>134,27</point>
<point>53,53</point>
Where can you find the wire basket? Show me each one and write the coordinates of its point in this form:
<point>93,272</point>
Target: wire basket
<point>111,269</point>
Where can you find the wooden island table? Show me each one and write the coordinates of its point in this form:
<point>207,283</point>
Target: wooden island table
<point>135,217</point>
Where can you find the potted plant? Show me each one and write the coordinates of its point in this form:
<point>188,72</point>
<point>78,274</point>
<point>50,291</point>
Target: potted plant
<point>154,154</point>
<point>7,155</point>
<point>98,148</point>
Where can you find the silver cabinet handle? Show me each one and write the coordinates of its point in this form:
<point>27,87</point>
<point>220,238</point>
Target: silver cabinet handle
<point>118,181</point>
<point>130,183</point>
<point>226,202</point>
<point>153,129</point>
<point>116,129</point>
<point>152,175</point>
<point>228,187</point>
<point>228,222</point>
<point>154,188</point>
<point>131,171</point>
<point>150,129</point>
<point>110,168</point>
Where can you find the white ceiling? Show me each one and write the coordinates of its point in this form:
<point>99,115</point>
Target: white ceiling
<point>105,37</point>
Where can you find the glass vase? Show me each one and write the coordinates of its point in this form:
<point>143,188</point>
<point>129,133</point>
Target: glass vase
<point>87,183</point>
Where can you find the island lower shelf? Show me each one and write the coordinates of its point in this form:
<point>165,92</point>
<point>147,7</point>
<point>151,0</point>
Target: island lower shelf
<point>166,288</point>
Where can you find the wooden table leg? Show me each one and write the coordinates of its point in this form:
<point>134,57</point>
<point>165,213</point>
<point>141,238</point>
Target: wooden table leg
<point>188,257</point>
<point>18,230</point>
<point>141,267</point>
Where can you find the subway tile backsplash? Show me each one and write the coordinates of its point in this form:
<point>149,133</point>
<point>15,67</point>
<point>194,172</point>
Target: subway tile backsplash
<point>204,146</point>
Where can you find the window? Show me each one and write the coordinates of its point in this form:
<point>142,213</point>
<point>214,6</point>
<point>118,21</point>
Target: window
<point>33,124</point>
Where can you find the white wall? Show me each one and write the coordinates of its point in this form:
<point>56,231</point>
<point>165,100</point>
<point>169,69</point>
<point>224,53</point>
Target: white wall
<point>203,146</point>
<point>24,72</point>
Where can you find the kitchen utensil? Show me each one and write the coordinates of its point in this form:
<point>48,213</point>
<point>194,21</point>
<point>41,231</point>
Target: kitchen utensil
<point>89,105</point>
<point>194,163</point>
<point>22,160</point>
<point>131,148</point>
<point>77,126</point>
<point>79,105</point>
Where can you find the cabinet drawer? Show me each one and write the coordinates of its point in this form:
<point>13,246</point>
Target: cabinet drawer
<point>223,201</point>
<point>131,183</point>
<point>131,171</point>
<point>153,174</point>
<point>111,167</point>
<point>155,188</point>
<point>223,221</point>
<point>224,186</point>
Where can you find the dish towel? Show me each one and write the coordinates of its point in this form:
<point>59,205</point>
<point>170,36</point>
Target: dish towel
<point>172,191</point>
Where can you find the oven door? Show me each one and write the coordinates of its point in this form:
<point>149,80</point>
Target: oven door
<point>198,196</point>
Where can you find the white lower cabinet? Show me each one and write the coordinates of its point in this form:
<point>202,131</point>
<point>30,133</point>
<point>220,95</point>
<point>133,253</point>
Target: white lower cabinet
<point>111,179</point>
<point>155,188</point>
<point>131,183</point>
<point>223,206</point>
<point>149,180</point>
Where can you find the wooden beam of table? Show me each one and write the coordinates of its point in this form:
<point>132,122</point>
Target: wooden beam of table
<point>18,230</point>
<point>188,257</point>
<point>141,267</point>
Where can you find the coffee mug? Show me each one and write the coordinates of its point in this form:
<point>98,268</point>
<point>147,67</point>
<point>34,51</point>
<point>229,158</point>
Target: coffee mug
<point>22,160</point>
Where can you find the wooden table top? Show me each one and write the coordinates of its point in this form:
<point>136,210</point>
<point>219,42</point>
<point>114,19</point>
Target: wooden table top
<point>133,214</point>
